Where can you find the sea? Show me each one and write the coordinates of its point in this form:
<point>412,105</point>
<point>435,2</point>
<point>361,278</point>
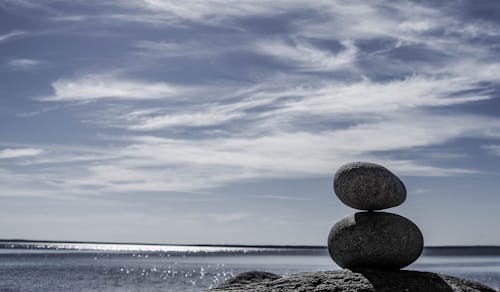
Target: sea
<point>71,266</point>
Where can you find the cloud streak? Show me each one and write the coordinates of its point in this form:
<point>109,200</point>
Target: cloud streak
<point>307,57</point>
<point>493,149</point>
<point>19,152</point>
<point>11,35</point>
<point>95,86</point>
<point>23,64</point>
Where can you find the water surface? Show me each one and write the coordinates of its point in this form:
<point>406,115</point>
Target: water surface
<point>120,267</point>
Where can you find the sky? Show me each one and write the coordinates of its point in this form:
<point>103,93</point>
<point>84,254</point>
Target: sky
<point>223,122</point>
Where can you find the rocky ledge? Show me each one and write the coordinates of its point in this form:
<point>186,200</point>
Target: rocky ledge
<point>346,280</point>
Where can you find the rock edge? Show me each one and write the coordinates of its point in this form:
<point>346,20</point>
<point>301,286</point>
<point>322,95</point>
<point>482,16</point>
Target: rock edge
<point>351,281</point>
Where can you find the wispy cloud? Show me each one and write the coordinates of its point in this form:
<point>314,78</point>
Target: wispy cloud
<point>307,57</point>
<point>367,96</point>
<point>231,217</point>
<point>19,152</point>
<point>23,64</point>
<point>166,49</point>
<point>211,11</point>
<point>493,149</point>
<point>93,87</point>
<point>161,13</point>
<point>193,119</point>
<point>11,35</point>
<point>282,197</point>
<point>204,114</point>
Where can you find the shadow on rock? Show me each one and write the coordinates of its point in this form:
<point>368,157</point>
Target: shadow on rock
<point>405,281</point>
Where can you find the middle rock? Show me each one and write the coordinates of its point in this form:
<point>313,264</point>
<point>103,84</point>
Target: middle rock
<point>375,240</point>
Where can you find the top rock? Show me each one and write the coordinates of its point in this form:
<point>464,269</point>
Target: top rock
<point>368,186</point>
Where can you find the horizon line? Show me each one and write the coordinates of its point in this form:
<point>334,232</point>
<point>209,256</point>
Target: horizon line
<point>298,246</point>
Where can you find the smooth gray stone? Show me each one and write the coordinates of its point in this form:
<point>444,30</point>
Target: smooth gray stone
<point>368,186</point>
<point>361,281</point>
<point>376,240</point>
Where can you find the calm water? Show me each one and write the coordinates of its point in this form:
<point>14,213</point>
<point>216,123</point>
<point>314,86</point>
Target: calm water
<point>105,267</point>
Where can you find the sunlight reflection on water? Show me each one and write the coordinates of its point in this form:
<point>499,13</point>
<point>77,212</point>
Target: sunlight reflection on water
<point>139,247</point>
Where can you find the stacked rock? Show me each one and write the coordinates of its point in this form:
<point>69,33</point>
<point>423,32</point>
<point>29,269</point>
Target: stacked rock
<point>372,240</point>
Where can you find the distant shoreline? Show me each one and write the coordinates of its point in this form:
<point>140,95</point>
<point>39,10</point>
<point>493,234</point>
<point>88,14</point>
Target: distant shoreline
<point>467,250</point>
<point>3,241</point>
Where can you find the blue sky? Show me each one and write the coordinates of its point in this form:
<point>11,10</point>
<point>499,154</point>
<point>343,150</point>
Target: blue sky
<point>224,121</point>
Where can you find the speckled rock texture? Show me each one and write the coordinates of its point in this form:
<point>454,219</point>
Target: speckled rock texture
<point>368,186</point>
<point>360,281</point>
<point>250,277</point>
<point>376,240</point>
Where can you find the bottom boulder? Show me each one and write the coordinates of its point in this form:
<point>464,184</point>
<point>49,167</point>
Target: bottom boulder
<point>350,281</point>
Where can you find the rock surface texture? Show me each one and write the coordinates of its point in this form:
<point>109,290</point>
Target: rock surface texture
<point>249,278</point>
<point>368,186</point>
<point>376,240</point>
<point>349,281</point>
